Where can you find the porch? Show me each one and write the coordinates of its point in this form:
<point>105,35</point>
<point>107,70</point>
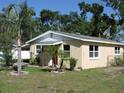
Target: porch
<point>47,52</point>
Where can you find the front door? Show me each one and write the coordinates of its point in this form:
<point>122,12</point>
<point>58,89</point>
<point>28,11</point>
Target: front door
<point>55,60</point>
<point>49,54</point>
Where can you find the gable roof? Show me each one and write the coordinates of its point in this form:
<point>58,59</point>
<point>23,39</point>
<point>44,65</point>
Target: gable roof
<point>49,41</point>
<point>78,37</point>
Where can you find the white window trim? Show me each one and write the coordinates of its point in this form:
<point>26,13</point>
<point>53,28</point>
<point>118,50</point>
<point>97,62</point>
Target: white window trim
<point>36,49</point>
<point>94,58</point>
<point>117,50</point>
<point>66,51</point>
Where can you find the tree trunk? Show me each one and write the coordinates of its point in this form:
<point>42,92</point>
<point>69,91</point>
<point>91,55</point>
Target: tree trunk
<point>19,53</point>
<point>61,64</point>
<point>54,60</point>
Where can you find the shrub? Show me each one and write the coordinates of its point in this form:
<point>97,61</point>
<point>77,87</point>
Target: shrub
<point>80,68</point>
<point>33,61</point>
<point>119,61</point>
<point>73,62</point>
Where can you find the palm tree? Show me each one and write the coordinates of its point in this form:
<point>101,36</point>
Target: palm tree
<point>17,16</point>
<point>7,33</point>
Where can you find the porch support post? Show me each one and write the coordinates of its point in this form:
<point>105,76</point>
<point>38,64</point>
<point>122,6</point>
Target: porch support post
<point>42,57</point>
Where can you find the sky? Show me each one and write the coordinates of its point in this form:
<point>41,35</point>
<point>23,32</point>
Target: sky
<point>63,6</point>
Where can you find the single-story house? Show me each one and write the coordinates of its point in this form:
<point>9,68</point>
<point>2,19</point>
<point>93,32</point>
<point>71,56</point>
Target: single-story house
<point>90,52</point>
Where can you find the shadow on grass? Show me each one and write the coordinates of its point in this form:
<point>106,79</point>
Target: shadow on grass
<point>45,69</point>
<point>54,90</point>
<point>5,68</point>
<point>36,69</point>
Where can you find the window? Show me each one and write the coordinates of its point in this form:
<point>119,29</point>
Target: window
<point>38,49</point>
<point>93,51</point>
<point>67,49</point>
<point>117,50</point>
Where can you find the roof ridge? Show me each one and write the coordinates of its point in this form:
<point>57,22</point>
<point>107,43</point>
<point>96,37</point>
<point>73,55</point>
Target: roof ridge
<point>85,36</point>
<point>78,37</point>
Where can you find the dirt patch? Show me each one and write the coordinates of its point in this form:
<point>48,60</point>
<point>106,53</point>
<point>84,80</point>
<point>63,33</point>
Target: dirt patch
<point>112,72</point>
<point>113,69</point>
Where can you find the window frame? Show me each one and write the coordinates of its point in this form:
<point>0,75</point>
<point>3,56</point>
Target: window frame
<point>117,51</point>
<point>37,49</point>
<point>66,51</point>
<point>94,51</point>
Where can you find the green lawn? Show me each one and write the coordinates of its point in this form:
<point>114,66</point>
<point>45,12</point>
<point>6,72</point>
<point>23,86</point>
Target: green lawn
<point>40,81</point>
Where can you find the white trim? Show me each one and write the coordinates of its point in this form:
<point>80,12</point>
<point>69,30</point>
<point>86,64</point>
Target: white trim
<point>25,45</point>
<point>117,51</point>
<point>94,52</point>
<point>88,40</point>
<point>67,51</point>
<point>94,58</point>
<point>37,49</point>
<point>107,42</point>
<point>38,36</point>
<point>58,43</point>
<point>51,44</point>
<point>118,54</point>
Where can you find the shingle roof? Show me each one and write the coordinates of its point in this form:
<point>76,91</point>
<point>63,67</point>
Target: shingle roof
<point>79,37</point>
<point>87,37</point>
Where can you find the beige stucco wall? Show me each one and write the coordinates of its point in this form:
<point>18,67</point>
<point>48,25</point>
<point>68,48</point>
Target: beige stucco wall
<point>80,51</point>
<point>106,53</point>
<point>32,50</point>
<point>75,51</point>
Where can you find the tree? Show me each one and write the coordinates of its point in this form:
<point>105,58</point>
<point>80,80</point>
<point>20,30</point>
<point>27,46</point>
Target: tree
<point>27,27</point>
<point>50,19</point>
<point>118,7</point>
<point>23,16</point>
<point>100,21</point>
<point>18,18</point>
<point>53,20</point>
<point>84,8</point>
<point>38,27</point>
<point>96,10</point>
<point>7,33</point>
<point>77,24</point>
<point>53,52</point>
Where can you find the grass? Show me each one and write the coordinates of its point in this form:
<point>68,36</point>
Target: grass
<point>40,81</point>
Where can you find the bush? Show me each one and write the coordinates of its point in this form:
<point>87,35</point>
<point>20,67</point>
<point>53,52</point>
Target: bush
<point>33,61</point>
<point>73,62</point>
<point>119,61</point>
<point>5,68</point>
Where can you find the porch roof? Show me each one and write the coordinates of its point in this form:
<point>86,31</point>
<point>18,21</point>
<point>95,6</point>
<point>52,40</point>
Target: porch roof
<point>49,41</point>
